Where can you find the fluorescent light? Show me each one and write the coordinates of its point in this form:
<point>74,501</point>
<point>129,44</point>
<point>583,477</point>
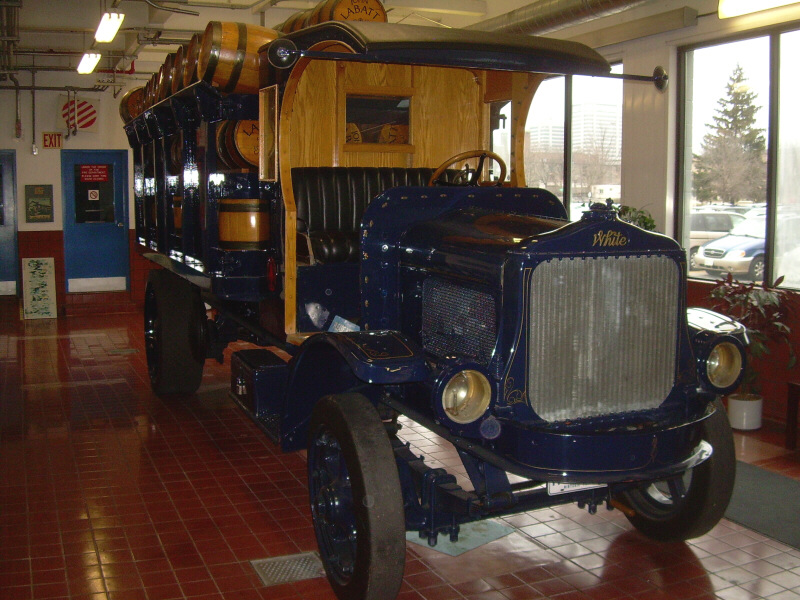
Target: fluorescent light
<point>735,8</point>
<point>88,63</point>
<point>109,25</point>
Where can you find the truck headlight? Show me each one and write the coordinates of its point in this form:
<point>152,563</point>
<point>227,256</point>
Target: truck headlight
<point>724,365</point>
<point>721,368</point>
<point>466,396</point>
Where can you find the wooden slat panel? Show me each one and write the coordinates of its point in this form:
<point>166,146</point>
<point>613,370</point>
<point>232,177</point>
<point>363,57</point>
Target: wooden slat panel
<point>314,116</point>
<point>363,74</point>
<point>446,114</point>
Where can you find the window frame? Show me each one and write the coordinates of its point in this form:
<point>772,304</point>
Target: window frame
<point>773,34</point>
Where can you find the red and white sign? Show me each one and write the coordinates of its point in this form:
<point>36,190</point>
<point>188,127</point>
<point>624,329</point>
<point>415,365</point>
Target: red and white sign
<point>91,173</point>
<point>81,112</point>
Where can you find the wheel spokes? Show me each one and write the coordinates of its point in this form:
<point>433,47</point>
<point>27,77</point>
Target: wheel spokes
<point>332,505</point>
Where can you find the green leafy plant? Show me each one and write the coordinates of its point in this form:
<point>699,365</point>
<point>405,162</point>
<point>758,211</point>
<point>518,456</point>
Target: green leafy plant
<point>763,309</point>
<point>637,216</point>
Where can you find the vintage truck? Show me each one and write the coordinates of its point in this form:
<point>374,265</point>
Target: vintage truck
<point>383,270</point>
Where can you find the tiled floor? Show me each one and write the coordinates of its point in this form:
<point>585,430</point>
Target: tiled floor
<point>107,491</point>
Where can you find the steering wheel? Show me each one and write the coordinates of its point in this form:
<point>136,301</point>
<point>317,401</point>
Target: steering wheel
<point>469,176</point>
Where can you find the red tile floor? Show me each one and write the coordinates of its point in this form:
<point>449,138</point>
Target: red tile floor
<point>109,492</point>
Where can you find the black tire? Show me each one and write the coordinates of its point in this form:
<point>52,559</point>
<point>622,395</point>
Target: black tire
<point>356,500</point>
<point>708,489</point>
<point>174,322</point>
<point>756,271</point>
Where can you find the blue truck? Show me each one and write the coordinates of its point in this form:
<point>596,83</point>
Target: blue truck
<point>384,269</point>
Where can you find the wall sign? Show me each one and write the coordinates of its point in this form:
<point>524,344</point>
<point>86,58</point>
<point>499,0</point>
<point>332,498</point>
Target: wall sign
<point>39,203</point>
<point>52,139</point>
<point>39,288</point>
<point>94,194</point>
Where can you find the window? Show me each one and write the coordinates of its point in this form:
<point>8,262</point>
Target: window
<point>595,134</point>
<point>377,119</point>
<point>728,149</point>
<point>787,228</point>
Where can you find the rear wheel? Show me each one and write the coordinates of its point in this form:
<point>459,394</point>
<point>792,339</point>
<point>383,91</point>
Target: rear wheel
<point>690,505</point>
<point>356,501</point>
<point>174,322</point>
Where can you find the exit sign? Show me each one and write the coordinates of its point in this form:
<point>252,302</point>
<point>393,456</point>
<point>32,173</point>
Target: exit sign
<point>52,139</point>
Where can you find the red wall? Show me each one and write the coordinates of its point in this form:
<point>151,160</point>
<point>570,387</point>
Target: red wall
<point>774,374</point>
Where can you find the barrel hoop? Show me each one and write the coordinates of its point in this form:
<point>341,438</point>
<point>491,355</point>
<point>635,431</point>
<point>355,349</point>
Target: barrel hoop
<point>249,207</point>
<point>213,56</point>
<point>241,51</point>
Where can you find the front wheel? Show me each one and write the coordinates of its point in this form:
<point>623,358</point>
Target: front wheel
<point>756,271</point>
<point>174,321</point>
<point>356,500</point>
<point>690,505</point>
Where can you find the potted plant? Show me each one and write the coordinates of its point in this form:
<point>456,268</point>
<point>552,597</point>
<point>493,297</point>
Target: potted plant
<point>637,216</point>
<point>763,309</point>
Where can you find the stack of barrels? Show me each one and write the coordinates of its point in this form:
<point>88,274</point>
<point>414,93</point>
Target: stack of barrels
<point>225,55</point>
<point>214,56</point>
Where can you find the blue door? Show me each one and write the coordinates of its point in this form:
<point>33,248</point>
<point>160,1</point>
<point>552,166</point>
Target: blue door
<point>8,224</point>
<point>95,188</point>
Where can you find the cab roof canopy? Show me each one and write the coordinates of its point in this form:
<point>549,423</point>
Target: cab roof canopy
<point>419,45</point>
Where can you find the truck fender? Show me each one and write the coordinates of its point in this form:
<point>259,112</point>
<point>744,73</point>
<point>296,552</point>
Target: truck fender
<point>333,363</point>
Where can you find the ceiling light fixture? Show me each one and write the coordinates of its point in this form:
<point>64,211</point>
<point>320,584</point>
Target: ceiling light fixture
<point>88,63</point>
<point>109,25</point>
<point>734,8</point>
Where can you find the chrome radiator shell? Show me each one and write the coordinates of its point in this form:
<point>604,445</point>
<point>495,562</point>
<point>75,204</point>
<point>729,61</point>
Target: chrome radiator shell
<point>601,335</point>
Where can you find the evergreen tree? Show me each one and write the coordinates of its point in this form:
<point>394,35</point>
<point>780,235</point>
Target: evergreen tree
<point>732,164</point>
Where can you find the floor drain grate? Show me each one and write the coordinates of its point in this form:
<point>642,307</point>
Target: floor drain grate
<point>286,569</point>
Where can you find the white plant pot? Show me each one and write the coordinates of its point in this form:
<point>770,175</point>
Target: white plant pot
<point>744,411</point>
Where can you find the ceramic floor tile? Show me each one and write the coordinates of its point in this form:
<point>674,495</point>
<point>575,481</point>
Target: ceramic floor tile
<point>111,493</point>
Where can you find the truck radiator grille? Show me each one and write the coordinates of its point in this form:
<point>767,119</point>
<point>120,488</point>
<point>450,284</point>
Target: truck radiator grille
<point>457,320</point>
<point>602,335</point>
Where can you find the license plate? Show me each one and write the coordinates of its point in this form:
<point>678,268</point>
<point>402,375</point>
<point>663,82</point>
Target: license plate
<point>708,262</point>
<point>553,489</point>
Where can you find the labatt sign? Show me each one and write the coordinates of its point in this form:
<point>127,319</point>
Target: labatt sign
<point>610,238</point>
<point>359,10</point>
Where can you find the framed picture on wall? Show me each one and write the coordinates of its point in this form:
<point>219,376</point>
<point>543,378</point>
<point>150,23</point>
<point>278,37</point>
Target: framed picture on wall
<point>39,203</point>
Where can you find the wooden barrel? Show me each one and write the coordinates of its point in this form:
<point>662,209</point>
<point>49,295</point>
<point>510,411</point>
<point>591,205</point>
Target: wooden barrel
<point>190,64</point>
<point>147,101</point>
<point>174,155</point>
<point>352,10</point>
<point>165,77</point>
<point>177,69</point>
<point>237,143</point>
<point>293,23</point>
<point>224,160</point>
<point>228,55</point>
<point>243,224</point>
<point>177,214</point>
<point>131,104</point>
<point>154,89</point>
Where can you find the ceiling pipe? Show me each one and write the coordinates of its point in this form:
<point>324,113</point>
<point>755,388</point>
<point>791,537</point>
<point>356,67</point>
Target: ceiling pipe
<point>180,11</point>
<point>201,4</point>
<point>18,120</point>
<point>544,16</point>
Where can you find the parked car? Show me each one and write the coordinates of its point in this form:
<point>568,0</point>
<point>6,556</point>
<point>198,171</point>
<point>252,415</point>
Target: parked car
<point>741,252</point>
<point>709,225</point>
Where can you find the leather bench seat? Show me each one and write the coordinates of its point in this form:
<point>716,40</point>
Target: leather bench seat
<point>331,201</point>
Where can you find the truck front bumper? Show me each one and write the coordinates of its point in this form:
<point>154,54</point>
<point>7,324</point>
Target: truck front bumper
<point>605,456</point>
